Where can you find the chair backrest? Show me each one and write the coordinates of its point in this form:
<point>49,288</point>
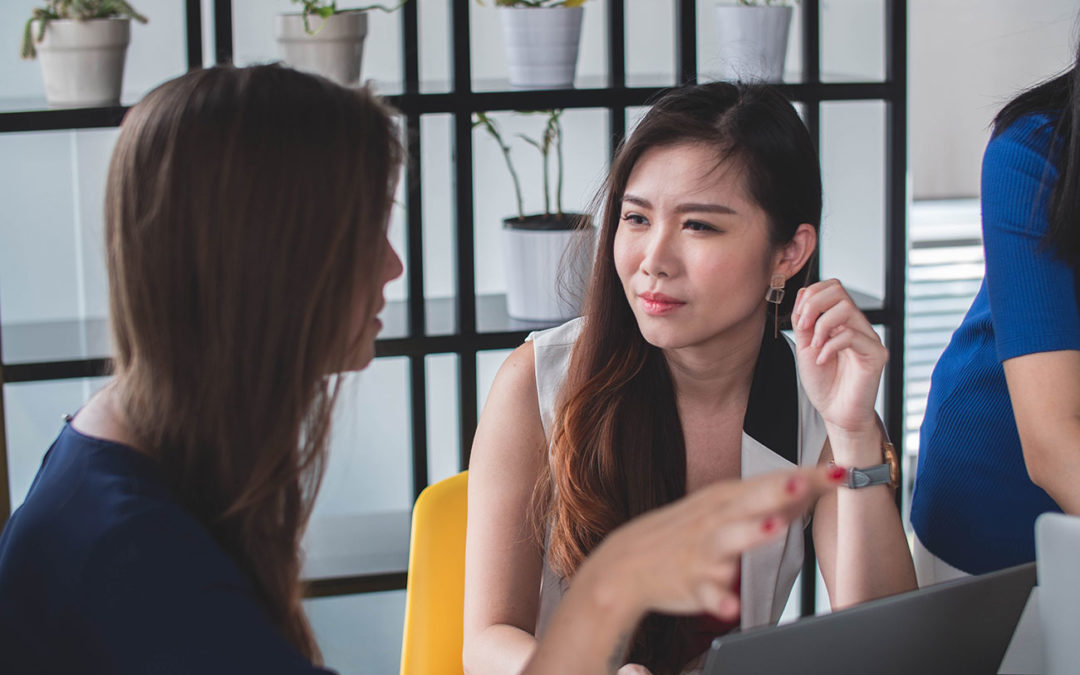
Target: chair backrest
<point>435,595</point>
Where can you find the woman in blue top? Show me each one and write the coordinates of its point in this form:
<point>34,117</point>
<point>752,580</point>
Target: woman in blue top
<point>246,214</point>
<point>1000,443</point>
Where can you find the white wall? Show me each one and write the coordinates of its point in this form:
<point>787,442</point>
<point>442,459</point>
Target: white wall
<point>967,59</point>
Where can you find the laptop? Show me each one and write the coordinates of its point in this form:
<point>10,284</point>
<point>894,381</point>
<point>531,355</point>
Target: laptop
<point>952,628</point>
<point>1057,555</point>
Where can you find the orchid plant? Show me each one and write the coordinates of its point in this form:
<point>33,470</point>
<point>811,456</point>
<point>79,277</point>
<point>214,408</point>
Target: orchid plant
<point>549,141</point>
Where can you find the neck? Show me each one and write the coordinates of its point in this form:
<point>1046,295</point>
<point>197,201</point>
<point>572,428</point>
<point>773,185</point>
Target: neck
<point>717,374</point>
<point>103,417</point>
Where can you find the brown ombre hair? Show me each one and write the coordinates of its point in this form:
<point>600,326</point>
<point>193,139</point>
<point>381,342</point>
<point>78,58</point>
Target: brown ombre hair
<point>245,216</point>
<point>617,447</point>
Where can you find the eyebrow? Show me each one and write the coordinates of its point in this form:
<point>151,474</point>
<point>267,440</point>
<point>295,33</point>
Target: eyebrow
<point>690,207</point>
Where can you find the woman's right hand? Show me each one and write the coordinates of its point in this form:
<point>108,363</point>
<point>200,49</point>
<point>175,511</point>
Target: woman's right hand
<point>679,559</point>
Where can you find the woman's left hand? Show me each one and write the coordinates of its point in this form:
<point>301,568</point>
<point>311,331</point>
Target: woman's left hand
<point>840,358</point>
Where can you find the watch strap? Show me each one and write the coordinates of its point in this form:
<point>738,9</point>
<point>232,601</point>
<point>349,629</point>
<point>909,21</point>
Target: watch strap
<point>879,474</point>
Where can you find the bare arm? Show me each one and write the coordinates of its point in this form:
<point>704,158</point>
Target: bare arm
<point>503,558</point>
<point>1045,392</point>
<point>858,534</point>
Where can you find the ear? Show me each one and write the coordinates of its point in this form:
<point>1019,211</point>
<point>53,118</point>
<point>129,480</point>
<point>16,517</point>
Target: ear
<point>791,257</point>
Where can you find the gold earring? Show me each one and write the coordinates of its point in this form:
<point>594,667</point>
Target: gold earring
<point>775,295</point>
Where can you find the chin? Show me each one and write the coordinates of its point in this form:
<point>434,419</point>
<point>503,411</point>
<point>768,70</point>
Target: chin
<point>662,337</point>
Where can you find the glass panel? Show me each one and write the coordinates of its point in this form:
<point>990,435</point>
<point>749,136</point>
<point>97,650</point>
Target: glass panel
<point>360,524</point>
<point>370,449</point>
<point>437,184</point>
<point>254,41</point>
<point>852,245</point>
<point>359,633</point>
<point>489,70</point>
<point>34,414</point>
<point>710,62</point>
<point>436,50</point>
<point>487,366</point>
<point>585,162</point>
<point>633,117</point>
<point>52,269</point>
<point>650,43</point>
<point>853,41</point>
<point>157,52</point>
<point>443,416</point>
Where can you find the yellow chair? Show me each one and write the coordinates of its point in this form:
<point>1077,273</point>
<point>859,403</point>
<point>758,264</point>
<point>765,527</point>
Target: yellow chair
<point>435,594</point>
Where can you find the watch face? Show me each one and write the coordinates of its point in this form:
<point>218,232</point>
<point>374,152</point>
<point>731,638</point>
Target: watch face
<point>893,461</point>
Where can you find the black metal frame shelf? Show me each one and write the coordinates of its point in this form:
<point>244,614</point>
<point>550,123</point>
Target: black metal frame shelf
<point>468,324</point>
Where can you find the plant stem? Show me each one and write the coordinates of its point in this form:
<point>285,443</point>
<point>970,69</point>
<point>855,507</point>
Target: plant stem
<point>486,122</point>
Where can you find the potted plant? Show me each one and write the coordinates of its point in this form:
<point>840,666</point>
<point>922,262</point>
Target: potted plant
<point>81,45</point>
<point>541,39</point>
<point>752,37</point>
<point>547,256</point>
<point>325,40</point>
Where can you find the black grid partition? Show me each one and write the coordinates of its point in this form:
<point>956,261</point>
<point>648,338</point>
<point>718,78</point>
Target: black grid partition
<point>413,338</point>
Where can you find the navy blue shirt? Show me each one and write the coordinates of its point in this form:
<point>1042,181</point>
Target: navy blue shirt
<point>102,571</point>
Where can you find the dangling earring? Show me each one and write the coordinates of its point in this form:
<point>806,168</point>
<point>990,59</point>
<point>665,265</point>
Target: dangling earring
<point>776,296</point>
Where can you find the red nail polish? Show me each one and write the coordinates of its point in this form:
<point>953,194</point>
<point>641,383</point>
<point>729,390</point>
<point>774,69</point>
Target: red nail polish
<point>838,473</point>
<point>770,524</point>
<point>793,484</point>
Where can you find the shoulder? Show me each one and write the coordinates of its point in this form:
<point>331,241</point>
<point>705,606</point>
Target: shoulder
<point>1030,138</point>
<point>564,335</point>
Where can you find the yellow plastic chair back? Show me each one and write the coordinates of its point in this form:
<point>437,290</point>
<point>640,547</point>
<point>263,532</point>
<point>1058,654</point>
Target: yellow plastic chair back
<point>435,593</point>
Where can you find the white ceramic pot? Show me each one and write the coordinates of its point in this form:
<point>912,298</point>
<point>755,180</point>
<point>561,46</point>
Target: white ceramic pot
<point>82,62</point>
<point>547,271</point>
<point>541,45</point>
<point>752,42</point>
<point>333,51</point>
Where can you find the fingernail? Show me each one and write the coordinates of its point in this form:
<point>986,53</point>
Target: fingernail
<point>770,524</point>
<point>729,606</point>
<point>838,473</point>
<point>793,484</point>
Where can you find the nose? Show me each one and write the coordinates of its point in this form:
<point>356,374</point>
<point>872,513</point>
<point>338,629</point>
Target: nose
<point>660,257</point>
<point>392,265</point>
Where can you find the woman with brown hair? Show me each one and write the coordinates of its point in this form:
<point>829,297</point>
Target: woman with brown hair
<point>246,216</point>
<point>675,378</point>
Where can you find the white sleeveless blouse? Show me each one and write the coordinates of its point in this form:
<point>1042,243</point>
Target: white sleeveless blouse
<point>768,572</point>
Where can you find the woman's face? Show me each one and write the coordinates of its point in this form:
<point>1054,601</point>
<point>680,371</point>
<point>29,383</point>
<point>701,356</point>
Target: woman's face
<point>692,249</point>
<point>367,329</point>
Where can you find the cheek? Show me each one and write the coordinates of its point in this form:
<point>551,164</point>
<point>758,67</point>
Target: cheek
<point>625,257</point>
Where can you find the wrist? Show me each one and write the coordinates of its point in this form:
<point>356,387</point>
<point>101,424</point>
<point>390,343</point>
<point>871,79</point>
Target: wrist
<point>855,448</point>
<point>608,588</point>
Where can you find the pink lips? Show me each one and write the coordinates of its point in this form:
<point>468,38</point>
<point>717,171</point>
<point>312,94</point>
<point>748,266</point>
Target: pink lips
<point>658,304</point>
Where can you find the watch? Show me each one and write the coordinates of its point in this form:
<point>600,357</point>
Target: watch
<point>886,473</point>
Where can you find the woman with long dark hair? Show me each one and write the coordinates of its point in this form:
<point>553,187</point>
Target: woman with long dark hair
<point>246,215</point>
<point>999,442</point>
<point>676,377</point>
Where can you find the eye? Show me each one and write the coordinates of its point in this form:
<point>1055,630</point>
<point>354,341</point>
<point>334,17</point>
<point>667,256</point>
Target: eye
<point>698,226</point>
<point>634,219</point>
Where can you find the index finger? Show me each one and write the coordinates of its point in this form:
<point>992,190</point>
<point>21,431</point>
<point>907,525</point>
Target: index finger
<point>782,492</point>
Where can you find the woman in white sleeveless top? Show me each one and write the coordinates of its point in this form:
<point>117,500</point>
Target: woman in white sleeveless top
<point>675,379</point>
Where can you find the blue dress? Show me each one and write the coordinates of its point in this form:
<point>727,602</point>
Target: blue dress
<point>102,571</point>
<point>974,506</point>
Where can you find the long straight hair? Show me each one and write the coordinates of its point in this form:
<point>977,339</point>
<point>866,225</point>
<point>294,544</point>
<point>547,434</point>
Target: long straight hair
<point>1058,97</point>
<point>245,224</point>
<point>617,447</point>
